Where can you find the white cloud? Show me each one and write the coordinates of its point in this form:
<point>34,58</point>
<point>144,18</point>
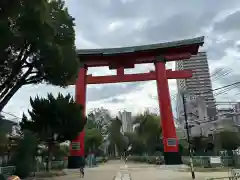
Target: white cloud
<point>108,23</point>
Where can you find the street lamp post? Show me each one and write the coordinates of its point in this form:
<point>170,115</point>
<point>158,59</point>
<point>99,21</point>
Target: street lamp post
<point>188,137</point>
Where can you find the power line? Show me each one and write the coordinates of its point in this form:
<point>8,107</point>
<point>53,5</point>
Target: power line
<point>220,74</point>
<point>225,89</point>
<point>221,88</point>
<point>229,85</point>
<point>11,115</point>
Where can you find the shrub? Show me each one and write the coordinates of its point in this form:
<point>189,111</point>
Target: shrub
<point>2,177</point>
<point>24,158</point>
<point>144,159</point>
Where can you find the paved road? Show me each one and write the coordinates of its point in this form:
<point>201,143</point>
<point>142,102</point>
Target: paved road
<point>116,170</point>
<point>103,172</point>
<point>151,172</point>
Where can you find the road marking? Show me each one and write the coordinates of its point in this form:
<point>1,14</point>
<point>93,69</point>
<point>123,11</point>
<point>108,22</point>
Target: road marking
<point>124,173</point>
<point>121,176</point>
<point>118,176</point>
<point>126,177</point>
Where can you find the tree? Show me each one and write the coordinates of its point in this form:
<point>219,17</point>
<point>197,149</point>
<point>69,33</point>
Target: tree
<point>136,142</point>
<point>90,123</point>
<point>93,139</point>
<point>24,157</point>
<point>149,129</point>
<point>93,136</point>
<point>229,140</point>
<point>116,137</point>
<point>3,142</point>
<point>101,118</point>
<point>60,151</point>
<point>199,144</point>
<point>37,45</point>
<point>5,130</point>
<point>54,120</point>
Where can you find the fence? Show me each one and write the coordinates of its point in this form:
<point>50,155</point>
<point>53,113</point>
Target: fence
<point>54,165</point>
<point>7,171</point>
<point>205,161</point>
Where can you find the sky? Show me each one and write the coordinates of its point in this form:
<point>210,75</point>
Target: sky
<point>119,23</point>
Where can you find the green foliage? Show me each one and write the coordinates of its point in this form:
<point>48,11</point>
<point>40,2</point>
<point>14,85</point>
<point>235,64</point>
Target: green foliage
<point>136,142</point>
<point>5,129</point>
<point>24,157</point>
<point>144,159</point>
<point>183,147</point>
<point>60,151</point>
<point>2,177</point>
<point>37,45</point>
<point>64,150</point>
<point>229,140</point>
<point>149,130</point>
<point>90,123</point>
<point>96,129</point>
<point>199,144</point>
<point>116,137</point>
<point>50,116</point>
<point>99,118</point>
<point>93,139</point>
<point>3,142</point>
<point>146,138</point>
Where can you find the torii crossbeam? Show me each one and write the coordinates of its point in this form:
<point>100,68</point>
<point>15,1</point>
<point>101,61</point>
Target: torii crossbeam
<point>121,77</point>
<point>123,58</point>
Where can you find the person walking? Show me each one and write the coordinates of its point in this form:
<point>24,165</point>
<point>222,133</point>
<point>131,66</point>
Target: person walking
<point>82,166</point>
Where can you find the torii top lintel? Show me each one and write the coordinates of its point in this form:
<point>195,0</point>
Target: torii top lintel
<point>128,56</point>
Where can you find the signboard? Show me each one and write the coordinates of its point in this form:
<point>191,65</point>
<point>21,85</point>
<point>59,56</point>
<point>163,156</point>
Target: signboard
<point>171,142</point>
<point>215,160</point>
<point>76,146</point>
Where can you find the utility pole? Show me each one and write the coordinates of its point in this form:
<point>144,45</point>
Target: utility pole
<point>188,137</point>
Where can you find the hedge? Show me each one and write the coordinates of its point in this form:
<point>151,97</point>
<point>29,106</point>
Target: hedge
<point>144,159</point>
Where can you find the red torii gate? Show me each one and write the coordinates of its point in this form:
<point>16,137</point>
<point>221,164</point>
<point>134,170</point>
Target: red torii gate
<point>122,58</point>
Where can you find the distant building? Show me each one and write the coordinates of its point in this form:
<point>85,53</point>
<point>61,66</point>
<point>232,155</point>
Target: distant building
<point>7,126</point>
<point>196,110</point>
<point>236,117</point>
<point>225,121</point>
<point>126,118</point>
<point>225,114</point>
<point>199,84</point>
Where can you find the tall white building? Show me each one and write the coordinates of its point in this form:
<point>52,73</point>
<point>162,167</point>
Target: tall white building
<point>197,86</point>
<point>126,118</point>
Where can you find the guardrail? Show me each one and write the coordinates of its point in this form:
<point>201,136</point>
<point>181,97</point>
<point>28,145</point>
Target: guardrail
<point>205,161</point>
<point>58,165</point>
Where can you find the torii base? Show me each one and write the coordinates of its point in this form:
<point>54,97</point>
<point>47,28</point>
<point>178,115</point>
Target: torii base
<point>75,162</point>
<point>172,158</point>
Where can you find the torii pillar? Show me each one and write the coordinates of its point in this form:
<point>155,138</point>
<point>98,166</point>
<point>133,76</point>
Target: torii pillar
<point>77,154</point>
<point>170,141</point>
